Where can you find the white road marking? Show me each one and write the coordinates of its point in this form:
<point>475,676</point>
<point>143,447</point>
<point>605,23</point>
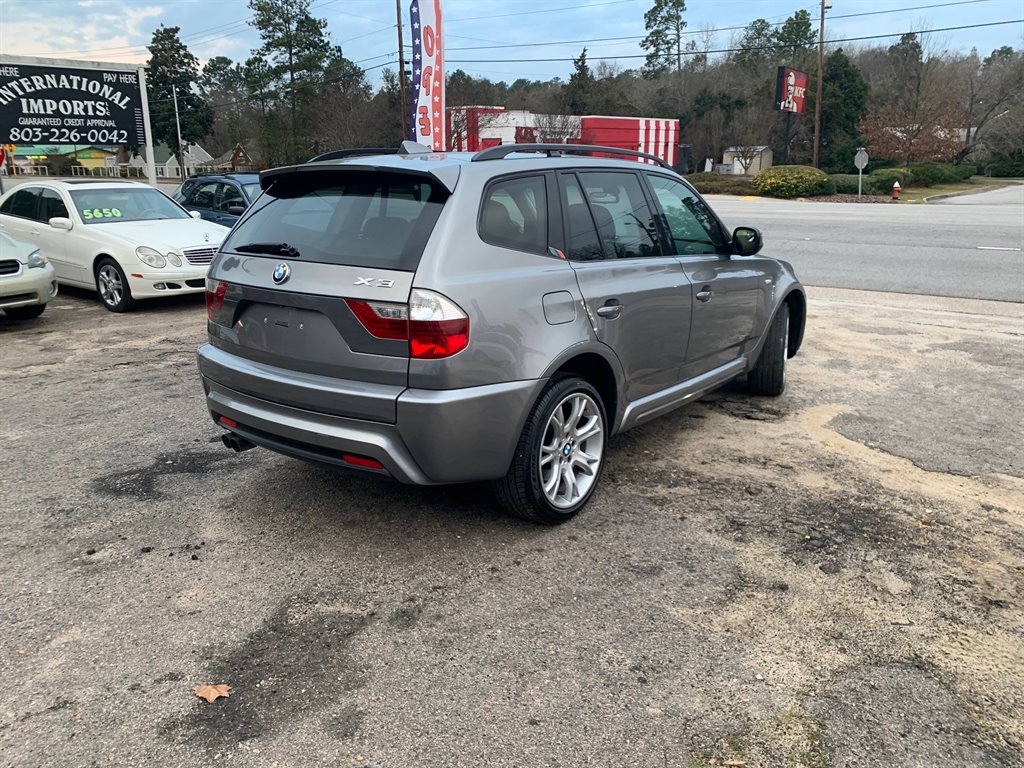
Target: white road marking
<point>996,248</point>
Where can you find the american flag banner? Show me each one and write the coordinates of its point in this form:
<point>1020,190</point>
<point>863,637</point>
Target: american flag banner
<point>427,123</point>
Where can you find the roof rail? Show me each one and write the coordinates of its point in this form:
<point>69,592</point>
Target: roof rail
<point>406,148</point>
<point>556,150</point>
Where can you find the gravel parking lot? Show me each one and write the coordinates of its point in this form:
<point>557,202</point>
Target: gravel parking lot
<point>832,578</point>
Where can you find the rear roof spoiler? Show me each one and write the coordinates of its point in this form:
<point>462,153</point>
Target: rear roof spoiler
<point>445,175</point>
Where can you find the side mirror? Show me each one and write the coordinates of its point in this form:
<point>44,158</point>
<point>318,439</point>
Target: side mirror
<point>195,214</point>
<point>236,210</point>
<point>746,241</point>
<point>61,222</point>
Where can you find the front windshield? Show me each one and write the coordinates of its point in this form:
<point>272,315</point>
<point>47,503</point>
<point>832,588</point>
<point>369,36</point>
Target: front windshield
<point>252,191</point>
<point>105,206</point>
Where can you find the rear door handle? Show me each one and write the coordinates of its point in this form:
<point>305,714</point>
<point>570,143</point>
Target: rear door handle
<point>610,311</point>
<point>705,294</point>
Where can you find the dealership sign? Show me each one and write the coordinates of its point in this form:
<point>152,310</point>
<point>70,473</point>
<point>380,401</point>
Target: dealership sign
<point>43,104</point>
<point>428,109</point>
<point>790,90</point>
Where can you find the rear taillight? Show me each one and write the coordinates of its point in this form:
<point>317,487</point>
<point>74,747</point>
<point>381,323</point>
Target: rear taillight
<point>215,292</point>
<point>434,326</point>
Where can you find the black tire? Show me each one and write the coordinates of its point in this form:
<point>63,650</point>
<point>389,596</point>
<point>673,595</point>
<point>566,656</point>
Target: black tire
<point>768,376</point>
<point>523,490</point>
<point>112,286</point>
<point>25,313</point>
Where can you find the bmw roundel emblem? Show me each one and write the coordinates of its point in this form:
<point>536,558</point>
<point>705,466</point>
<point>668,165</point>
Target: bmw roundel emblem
<point>281,273</point>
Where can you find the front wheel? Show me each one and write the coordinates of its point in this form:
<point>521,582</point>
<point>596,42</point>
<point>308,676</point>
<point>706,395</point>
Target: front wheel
<point>25,313</point>
<point>112,286</point>
<point>768,376</point>
<point>560,454</point>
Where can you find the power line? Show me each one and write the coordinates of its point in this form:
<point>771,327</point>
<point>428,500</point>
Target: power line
<point>752,48</point>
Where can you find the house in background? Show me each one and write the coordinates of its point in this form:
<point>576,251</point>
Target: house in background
<point>740,161</point>
<point>237,159</point>
<point>166,163</point>
<point>56,158</point>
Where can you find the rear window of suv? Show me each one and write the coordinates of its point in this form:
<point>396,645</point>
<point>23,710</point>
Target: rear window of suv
<point>357,218</point>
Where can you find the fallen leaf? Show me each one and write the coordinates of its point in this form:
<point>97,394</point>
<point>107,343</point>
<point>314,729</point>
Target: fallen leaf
<point>212,692</point>
<point>735,762</point>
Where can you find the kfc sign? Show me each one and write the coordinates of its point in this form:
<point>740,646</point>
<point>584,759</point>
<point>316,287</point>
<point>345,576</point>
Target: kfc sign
<point>790,90</point>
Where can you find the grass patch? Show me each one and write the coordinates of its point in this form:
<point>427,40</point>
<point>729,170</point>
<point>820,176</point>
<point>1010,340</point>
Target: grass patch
<point>975,184</point>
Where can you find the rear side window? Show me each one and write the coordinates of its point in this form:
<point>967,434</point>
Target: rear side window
<point>22,203</point>
<point>514,214</point>
<point>625,225</point>
<point>357,218</point>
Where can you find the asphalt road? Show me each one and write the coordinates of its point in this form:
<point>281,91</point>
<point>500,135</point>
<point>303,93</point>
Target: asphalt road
<point>970,246</point>
<point>829,579</point>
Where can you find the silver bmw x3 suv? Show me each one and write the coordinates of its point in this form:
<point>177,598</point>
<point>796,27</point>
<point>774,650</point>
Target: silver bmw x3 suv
<point>458,317</point>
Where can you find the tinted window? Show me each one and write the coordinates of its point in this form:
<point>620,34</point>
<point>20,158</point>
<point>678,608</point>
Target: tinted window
<point>693,227</point>
<point>582,234</point>
<point>514,214</point>
<point>346,217</point>
<point>625,226</point>
<point>51,205</point>
<point>22,203</point>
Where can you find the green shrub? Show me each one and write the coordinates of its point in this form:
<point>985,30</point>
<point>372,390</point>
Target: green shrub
<point>1005,166</point>
<point>693,178</point>
<point>881,181</point>
<point>846,183</point>
<point>793,181</point>
<point>930,174</point>
<point>722,185</point>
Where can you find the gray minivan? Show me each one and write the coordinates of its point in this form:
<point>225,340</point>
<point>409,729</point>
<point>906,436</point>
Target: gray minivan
<point>457,317</point>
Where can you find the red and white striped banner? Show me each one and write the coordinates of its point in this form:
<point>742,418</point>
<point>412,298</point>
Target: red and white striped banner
<point>428,124</point>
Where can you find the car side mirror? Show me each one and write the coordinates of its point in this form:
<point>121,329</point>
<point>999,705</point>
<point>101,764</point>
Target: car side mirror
<point>61,222</point>
<point>236,210</point>
<point>195,214</point>
<point>746,241</point>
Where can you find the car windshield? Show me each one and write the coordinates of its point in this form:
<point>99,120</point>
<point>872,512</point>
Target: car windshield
<point>252,191</point>
<point>105,206</point>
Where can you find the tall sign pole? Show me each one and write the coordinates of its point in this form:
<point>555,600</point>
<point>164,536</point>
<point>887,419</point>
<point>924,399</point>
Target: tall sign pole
<point>401,71</point>
<point>825,5</point>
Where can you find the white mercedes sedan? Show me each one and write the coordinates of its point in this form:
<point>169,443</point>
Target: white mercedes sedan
<point>126,240</point>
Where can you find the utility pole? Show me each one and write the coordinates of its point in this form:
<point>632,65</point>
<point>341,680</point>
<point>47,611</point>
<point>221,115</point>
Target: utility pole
<point>825,5</point>
<point>401,71</point>
<point>177,125</point>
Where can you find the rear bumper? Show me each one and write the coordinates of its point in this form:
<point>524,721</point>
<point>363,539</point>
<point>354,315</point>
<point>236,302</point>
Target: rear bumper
<point>447,436</point>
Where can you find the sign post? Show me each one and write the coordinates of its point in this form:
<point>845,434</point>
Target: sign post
<point>861,161</point>
<point>56,101</point>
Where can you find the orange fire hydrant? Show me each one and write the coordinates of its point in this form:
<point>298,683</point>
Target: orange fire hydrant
<point>895,190</point>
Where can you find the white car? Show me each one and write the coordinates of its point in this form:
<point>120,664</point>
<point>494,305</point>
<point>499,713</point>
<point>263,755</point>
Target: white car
<point>126,240</point>
<point>27,280</point>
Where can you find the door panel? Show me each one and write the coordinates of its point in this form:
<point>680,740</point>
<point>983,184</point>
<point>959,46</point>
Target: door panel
<point>53,242</point>
<point>639,305</point>
<point>725,287</point>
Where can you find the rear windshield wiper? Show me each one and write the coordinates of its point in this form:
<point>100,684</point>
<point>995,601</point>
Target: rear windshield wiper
<point>276,249</point>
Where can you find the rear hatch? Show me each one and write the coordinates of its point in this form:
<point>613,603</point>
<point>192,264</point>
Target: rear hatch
<point>308,299</point>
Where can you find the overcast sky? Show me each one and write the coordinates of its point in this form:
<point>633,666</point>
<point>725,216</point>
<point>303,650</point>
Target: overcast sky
<point>486,38</point>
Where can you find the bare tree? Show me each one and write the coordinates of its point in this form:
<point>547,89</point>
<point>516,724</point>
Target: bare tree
<point>558,128</point>
<point>748,132</point>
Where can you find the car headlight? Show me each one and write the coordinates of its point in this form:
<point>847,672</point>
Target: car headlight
<point>174,258</point>
<point>36,259</point>
<point>150,256</point>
